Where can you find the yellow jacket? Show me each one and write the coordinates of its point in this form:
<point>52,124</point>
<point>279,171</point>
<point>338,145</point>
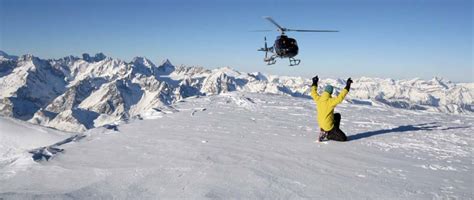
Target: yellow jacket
<point>325,105</point>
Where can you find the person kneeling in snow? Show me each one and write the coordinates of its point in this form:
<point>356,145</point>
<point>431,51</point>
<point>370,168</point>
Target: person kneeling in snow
<point>325,104</point>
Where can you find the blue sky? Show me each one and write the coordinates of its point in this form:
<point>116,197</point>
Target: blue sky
<point>396,39</point>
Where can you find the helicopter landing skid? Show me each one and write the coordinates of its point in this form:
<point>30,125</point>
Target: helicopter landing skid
<point>271,60</point>
<point>294,62</point>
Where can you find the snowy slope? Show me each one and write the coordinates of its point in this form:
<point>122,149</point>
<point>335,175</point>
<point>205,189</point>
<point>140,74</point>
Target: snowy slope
<point>79,93</point>
<point>17,138</point>
<point>259,146</point>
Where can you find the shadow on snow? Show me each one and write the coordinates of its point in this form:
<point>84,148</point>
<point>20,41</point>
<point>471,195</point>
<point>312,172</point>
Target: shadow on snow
<point>405,128</point>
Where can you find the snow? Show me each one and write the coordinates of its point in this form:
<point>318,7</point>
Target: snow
<point>141,131</point>
<point>241,145</point>
<point>76,94</point>
<point>16,138</point>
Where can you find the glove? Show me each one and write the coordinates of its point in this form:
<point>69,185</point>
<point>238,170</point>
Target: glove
<point>315,81</point>
<point>348,84</point>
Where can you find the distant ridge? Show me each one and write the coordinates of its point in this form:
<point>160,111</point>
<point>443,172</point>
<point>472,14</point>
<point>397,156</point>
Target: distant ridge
<point>79,93</point>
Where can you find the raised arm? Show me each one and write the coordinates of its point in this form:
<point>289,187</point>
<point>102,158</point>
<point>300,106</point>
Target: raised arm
<point>314,89</point>
<point>343,93</point>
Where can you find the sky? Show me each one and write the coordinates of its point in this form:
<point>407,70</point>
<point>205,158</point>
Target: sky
<point>398,39</point>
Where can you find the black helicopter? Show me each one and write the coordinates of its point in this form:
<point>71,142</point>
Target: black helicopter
<point>284,46</point>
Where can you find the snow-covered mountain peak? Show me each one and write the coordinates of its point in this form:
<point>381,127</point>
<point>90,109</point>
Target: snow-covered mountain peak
<point>227,71</point>
<point>67,59</point>
<point>142,61</point>
<point>370,79</point>
<point>27,57</point>
<point>441,81</point>
<point>5,56</point>
<point>98,57</point>
<point>166,62</point>
<point>165,68</point>
<point>143,66</point>
<point>259,76</point>
<point>28,63</point>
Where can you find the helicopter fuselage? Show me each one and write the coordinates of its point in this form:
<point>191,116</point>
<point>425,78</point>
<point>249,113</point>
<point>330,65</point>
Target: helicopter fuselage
<point>285,47</point>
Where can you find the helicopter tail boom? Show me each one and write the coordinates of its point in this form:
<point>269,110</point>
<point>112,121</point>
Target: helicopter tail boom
<point>270,60</point>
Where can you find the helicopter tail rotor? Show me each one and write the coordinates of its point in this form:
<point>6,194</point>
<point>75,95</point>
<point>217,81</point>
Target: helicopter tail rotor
<point>266,48</point>
<point>269,60</point>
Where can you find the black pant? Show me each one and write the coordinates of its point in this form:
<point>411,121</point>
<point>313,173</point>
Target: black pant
<point>336,133</point>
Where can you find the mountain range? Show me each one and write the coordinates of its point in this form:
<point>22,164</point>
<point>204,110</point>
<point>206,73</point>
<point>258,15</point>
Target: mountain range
<point>79,93</point>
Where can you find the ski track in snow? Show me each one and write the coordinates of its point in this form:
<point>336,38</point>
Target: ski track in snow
<point>256,146</point>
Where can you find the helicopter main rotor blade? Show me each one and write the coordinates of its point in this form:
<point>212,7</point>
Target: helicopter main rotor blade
<point>296,30</point>
<point>274,23</point>
<point>261,30</point>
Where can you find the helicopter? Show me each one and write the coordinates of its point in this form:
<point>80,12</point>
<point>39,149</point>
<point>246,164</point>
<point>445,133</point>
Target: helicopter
<point>284,46</point>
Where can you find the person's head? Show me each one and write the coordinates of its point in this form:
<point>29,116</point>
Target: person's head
<point>329,89</point>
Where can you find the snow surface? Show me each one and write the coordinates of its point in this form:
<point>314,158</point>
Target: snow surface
<point>17,138</point>
<point>242,145</point>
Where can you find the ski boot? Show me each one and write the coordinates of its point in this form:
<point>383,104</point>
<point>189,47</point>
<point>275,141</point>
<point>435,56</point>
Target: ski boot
<point>323,135</point>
